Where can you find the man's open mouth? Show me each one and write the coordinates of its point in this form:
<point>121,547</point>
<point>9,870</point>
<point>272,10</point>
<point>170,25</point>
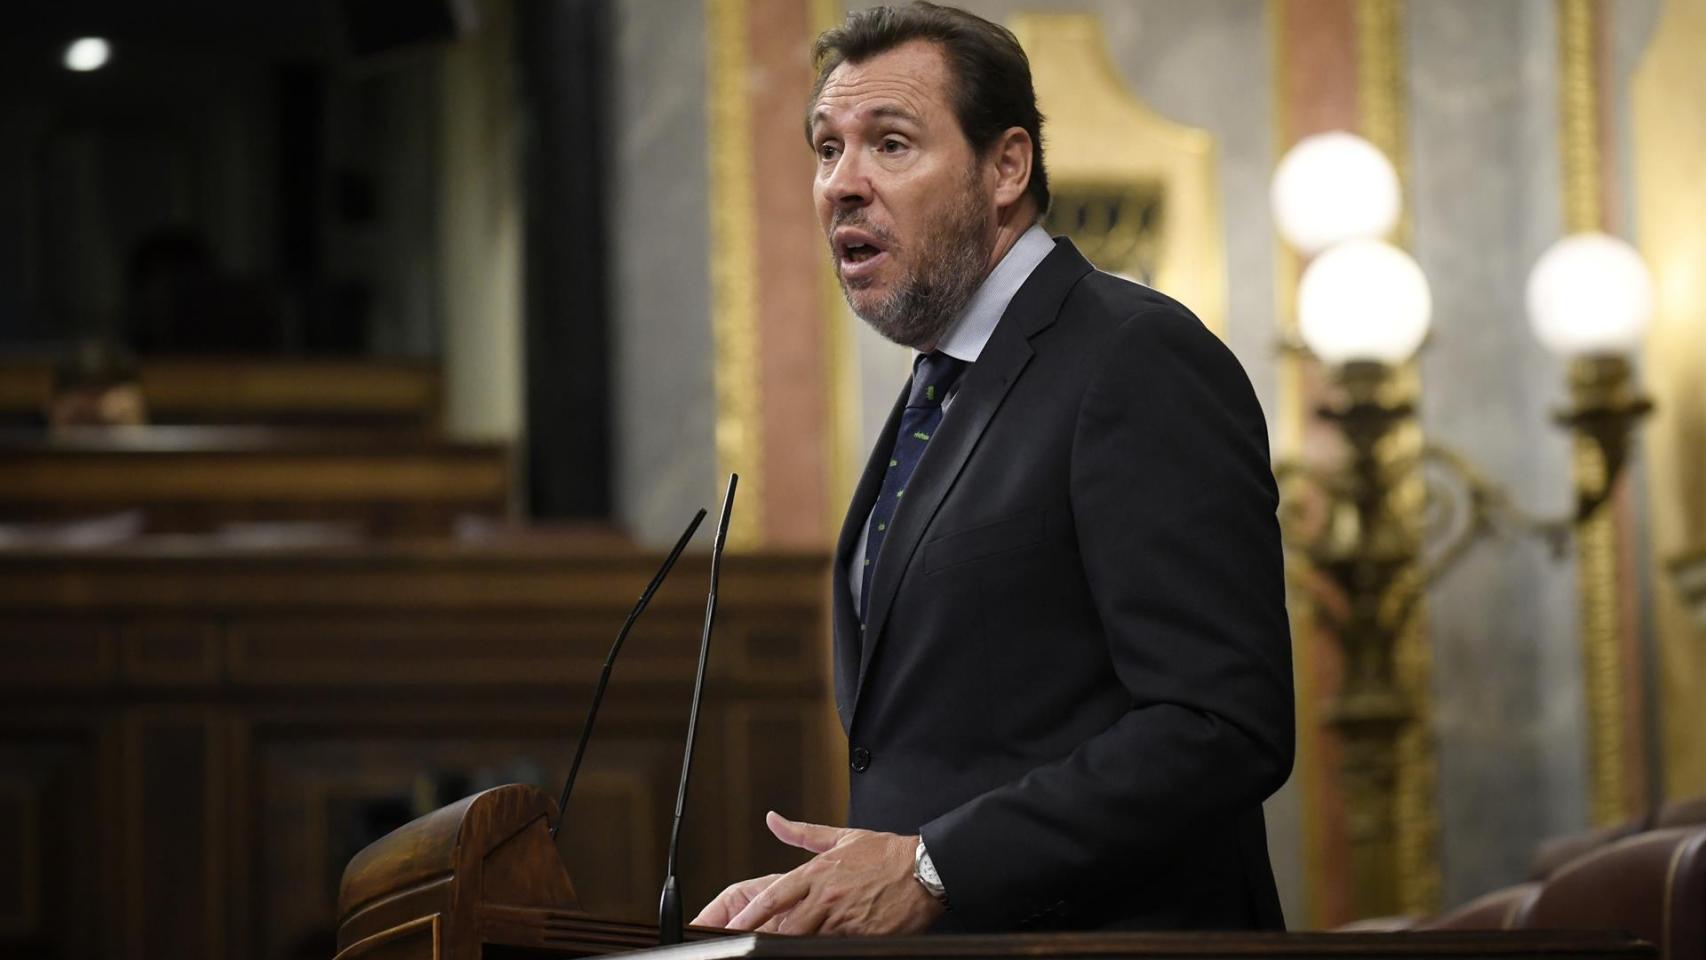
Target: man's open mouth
<point>855,247</point>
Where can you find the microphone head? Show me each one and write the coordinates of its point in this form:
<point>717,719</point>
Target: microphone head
<point>723,518</point>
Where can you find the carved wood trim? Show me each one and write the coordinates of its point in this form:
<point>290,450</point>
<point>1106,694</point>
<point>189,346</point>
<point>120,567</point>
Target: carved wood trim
<point>394,941</point>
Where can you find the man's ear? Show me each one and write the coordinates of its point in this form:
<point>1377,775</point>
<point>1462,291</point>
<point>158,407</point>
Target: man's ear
<point>1010,156</point>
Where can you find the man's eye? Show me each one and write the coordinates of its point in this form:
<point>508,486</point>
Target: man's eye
<point>826,151</point>
<point>893,146</point>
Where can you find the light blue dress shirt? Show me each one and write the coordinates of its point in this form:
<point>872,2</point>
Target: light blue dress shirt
<point>966,338</point>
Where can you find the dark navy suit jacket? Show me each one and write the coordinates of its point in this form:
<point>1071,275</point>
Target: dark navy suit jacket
<point>1075,678</point>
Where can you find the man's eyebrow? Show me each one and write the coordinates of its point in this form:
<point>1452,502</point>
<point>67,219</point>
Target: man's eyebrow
<point>895,112</point>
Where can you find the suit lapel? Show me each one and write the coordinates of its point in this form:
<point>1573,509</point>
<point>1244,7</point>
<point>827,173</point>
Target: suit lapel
<point>980,394</point>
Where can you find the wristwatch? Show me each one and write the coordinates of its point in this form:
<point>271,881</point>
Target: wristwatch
<point>924,871</point>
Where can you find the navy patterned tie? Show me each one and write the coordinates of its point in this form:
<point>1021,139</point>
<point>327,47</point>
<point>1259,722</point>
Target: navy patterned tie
<point>932,377</point>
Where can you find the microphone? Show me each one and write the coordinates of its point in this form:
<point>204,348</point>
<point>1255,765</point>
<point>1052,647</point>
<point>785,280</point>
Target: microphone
<point>669,904</point>
<point>610,661</point>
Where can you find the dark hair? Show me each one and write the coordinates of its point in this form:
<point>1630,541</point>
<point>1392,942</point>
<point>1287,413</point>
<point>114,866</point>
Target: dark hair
<point>990,73</point>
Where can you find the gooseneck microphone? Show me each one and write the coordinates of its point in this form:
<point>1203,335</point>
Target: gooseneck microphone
<point>610,661</point>
<point>669,905</point>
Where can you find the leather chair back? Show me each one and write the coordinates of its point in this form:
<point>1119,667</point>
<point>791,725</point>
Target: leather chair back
<point>1505,909</point>
<point>1652,885</point>
<point>1683,813</point>
<point>1554,852</point>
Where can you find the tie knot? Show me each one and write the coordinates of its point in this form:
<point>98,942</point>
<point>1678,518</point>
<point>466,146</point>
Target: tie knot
<point>933,376</point>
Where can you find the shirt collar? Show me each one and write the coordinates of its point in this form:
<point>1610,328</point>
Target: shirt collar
<point>965,339</point>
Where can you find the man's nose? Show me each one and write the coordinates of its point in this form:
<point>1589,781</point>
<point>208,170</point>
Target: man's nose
<point>847,184</point>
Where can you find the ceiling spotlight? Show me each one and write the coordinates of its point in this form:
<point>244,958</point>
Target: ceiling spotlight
<point>87,53</point>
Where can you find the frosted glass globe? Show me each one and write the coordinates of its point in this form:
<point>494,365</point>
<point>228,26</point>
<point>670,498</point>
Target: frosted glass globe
<point>1590,294</point>
<point>1334,187</point>
<point>1364,300</point>
<point>87,53</point>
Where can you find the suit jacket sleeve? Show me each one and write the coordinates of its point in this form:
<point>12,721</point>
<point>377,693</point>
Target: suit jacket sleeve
<point>1173,502</point>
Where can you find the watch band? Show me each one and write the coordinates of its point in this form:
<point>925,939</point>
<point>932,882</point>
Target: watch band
<point>924,871</point>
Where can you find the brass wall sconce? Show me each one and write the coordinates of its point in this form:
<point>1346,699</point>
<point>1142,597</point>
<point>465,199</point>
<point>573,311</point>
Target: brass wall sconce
<point>1396,511</point>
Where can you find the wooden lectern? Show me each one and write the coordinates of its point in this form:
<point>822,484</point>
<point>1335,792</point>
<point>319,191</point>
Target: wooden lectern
<point>480,873</point>
<point>482,879</point>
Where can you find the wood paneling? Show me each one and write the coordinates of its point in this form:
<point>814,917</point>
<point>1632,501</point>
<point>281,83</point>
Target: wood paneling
<point>202,479</point>
<point>193,744</point>
<point>164,651</point>
<point>173,843</point>
<point>254,390</point>
<point>50,840</point>
<point>56,652</point>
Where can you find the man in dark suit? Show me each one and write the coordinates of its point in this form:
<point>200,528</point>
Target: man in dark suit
<point>1061,648</point>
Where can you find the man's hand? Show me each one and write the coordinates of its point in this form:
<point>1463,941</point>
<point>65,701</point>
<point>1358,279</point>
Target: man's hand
<point>731,901</point>
<point>859,884</point>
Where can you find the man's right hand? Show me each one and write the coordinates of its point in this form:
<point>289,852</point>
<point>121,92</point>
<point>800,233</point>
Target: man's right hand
<point>732,901</point>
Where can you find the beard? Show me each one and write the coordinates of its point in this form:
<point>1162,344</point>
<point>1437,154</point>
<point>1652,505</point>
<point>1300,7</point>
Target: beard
<point>952,258</point>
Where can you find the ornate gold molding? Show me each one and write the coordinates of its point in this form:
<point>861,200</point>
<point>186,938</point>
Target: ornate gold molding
<point>1669,132</point>
<point>1578,116</point>
<point>734,265</point>
<point>1290,417</point>
<point>1596,538</point>
<point>1382,117</point>
<point>1101,136</point>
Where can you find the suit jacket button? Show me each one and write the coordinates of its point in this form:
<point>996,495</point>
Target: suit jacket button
<point>861,759</point>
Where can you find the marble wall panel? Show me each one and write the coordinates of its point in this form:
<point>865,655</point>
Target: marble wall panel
<point>665,409</point>
<point>1486,200</point>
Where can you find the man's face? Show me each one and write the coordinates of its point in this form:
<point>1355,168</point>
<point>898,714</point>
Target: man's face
<point>900,193</point>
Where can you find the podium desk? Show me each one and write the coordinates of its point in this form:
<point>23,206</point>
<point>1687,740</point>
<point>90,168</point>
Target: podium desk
<point>481,880</point>
<point>1433,945</point>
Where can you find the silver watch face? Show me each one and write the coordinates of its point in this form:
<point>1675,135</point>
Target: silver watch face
<point>927,870</point>
<point>924,869</point>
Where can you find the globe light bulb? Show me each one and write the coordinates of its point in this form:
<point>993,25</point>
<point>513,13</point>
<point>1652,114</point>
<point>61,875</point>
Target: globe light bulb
<point>1364,300</point>
<point>1333,187</point>
<point>87,53</point>
<point>1590,294</point>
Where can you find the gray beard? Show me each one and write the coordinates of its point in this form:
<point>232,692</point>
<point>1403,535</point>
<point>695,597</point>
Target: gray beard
<point>926,302</point>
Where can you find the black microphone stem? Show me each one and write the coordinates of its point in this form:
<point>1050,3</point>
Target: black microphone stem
<point>669,904</point>
<point>610,661</point>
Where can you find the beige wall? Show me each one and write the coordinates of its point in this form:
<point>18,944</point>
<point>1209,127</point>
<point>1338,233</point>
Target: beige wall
<point>481,238</point>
